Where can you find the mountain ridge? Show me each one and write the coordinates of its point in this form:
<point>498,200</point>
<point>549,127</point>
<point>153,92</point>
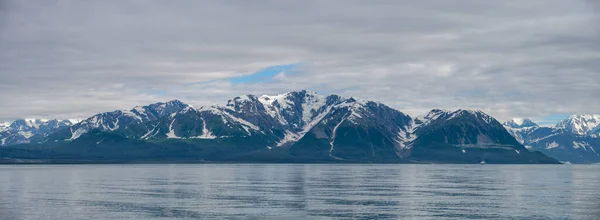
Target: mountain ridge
<point>573,140</point>
<point>298,125</point>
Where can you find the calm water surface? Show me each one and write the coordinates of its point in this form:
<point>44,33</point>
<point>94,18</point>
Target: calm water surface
<point>287,191</point>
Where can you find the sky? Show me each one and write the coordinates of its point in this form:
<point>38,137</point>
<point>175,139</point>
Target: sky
<point>71,59</point>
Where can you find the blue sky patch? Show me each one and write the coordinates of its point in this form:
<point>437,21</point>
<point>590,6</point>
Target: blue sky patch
<point>266,74</point>
<point>553,119</point>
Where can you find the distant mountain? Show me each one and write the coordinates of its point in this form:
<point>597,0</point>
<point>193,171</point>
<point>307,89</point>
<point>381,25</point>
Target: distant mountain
<point>4,126</point>
<point>298,126</point>
<point>520,123</point>
<point>22,130</point>
<point>581,124</point>
<point>520,128</point>
<point>574,139</point>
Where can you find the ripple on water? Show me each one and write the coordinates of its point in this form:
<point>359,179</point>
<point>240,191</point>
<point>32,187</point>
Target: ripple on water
<point>259,191</point>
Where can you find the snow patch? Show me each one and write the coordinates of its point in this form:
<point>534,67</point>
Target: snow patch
<point>518,121</point>
<point>140,110</point>
<point>293,137</point>
<point>552,145</point>
<point>281,100</point>
<point>115,125</point>
<point>405,137</point>
<point>245,124</point>
<point>542,138</point>
<point>594,150</point>
<point>431,116</point>
<point>78,133</point>
<point>131,114</point>
<point>310,106</point>
<point>149,132</point>
<point>289,137</point>
<point>74,120</point>
<point>171,133</point>
<point>578,145</point>
<point>206,134</point>
<point>26,134</point>
<point>333,134</point>
<point>242,99</point>
<point>215,111</point>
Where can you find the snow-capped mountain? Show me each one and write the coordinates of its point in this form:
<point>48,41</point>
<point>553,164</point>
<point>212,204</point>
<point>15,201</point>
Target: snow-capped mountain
<point>132,123</point>
<point>581,124</point>
<point>573,139</point>
<point>520,123</point>
<point>283,117</point>
<point>4,126</point>
<point>293,126</point>
<point>353,129</point>
<point>22,130</point>
<point>520,128</point>
<point>283,120</point>
<point>467,136</point>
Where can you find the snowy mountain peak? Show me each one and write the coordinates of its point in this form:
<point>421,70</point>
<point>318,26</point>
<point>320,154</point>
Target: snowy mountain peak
<point>19,131</point>
<point>478,114</point>
<point>175,102</point>
<point>241,99</point>
<point>269,99</point>
<point>163,108</point>
<point>32,124</point>
<point>581,124</point>
<point>297,107</point>
<point>74,120</point>
<point>436,113</point>
<point>4,126</point>
<point>441,114</point>
<point>126,120</point>
<point>431,116</point>
<point>305,92</point>
<point>520,123</point>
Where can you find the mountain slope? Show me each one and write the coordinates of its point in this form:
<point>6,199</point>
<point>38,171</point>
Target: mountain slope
<point>468,136</point>
<point>356,130</point>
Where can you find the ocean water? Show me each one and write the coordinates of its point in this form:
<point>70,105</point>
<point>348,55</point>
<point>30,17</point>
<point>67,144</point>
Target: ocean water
<point>299,191</point>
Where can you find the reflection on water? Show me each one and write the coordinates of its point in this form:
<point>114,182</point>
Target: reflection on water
<point>259,191</point>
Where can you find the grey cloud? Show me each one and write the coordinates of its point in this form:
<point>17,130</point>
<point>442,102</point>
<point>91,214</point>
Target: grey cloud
<point>70,59</point>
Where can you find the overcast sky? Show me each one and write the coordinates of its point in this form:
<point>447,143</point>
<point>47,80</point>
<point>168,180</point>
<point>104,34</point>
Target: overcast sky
<point>72,59</point>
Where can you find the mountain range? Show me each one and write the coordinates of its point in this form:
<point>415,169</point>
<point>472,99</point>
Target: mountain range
<point>575,139</point>
<point>27,130</point>
<point>298,126</point>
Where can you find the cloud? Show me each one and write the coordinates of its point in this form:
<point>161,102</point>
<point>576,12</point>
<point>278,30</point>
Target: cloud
<point>71,59</point>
